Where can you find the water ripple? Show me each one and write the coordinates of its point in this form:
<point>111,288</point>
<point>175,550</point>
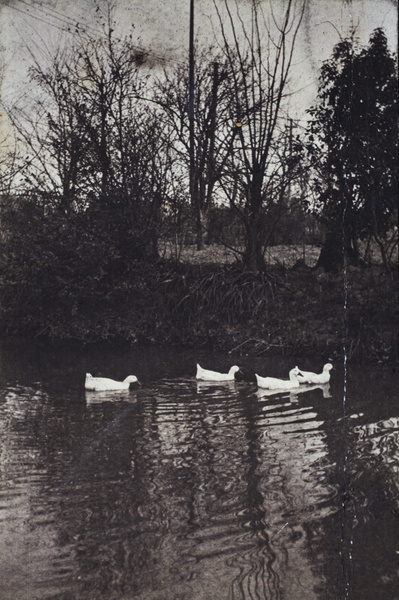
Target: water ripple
<point>186,490</point>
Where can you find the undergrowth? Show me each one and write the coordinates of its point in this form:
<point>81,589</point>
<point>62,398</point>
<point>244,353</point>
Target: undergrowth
<point>221,307</point>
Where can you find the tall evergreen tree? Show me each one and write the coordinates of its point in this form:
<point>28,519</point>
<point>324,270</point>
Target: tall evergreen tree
<point>353,143</point>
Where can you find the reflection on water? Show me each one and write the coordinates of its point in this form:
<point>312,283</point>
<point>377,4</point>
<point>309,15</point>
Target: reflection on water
<point>193,490</point>
<point>378,443</point>
<point>293,393</point>
<point>110,396</point>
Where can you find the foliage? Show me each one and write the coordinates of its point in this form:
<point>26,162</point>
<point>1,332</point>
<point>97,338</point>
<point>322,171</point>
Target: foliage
<point>353,143</point>
<point>70,275</point>
<point>74,282</point>
<point>105,176</point>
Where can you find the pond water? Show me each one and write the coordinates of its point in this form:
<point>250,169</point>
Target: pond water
<point>179,490</point>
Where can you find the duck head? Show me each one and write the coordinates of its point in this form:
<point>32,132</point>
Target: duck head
<point>132,379</point>
<point>293,374</point>
<point>233,370</point>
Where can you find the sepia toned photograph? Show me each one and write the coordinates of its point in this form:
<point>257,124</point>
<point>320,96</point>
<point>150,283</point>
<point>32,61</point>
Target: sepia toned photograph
<point>199,300</point>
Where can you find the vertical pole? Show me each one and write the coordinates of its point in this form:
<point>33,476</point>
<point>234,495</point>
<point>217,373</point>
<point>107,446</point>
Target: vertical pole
<point>195,203</point>
<point>191,102</point>
<point>212,127</point>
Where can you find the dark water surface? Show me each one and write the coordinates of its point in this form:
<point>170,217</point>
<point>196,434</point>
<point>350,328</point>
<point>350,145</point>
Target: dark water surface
<point>185,491</point>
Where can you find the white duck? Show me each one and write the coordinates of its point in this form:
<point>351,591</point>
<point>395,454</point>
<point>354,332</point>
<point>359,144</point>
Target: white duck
<point>272,383</point>
<point>309,377</point>
<point>205,375</point>
<point>103,384</point>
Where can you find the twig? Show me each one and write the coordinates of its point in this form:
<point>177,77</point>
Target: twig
<point>243,344</point>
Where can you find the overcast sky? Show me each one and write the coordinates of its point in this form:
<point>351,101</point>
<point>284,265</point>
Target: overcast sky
<point>162,27</point>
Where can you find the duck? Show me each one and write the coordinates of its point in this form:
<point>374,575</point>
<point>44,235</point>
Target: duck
<point>206,375</point>
<point>309,377</point>
<point>273,383</point>
<point>103,384</point>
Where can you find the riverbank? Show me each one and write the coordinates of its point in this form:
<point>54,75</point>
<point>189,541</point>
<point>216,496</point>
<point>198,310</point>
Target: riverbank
<point>299,310</point>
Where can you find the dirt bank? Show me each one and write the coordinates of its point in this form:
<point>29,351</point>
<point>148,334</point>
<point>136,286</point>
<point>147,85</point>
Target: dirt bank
<point>298,310</point>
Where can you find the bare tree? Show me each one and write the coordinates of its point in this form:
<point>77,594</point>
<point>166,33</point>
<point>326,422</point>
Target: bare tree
<point>211,127</point>
<point>91,142</point>
<point>263,163</point>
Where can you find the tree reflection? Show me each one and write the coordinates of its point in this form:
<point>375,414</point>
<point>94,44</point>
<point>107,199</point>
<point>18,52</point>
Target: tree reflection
<point>192,491</point>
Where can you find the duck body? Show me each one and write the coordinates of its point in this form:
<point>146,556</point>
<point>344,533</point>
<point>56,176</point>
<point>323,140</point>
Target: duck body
<point>309,377</point>
<point>205,375</point>
<point>273,383</point>
<point>103,384</point>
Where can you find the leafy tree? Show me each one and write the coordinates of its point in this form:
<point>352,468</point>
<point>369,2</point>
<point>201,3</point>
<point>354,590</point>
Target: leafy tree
<point>63,273</point>
<point>353,144</point>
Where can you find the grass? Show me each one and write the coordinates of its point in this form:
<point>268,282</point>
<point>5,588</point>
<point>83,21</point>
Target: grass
<point>285,256</point>
<point>302,310</point>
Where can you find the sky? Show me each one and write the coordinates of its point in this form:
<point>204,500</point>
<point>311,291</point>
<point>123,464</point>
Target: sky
<point>162,27</point>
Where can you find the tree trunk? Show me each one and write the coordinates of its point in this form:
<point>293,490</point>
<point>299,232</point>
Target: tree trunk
<point>253,255</point>
<point>331,259</point>
<point>333,251</point>
<point>200,228</point>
